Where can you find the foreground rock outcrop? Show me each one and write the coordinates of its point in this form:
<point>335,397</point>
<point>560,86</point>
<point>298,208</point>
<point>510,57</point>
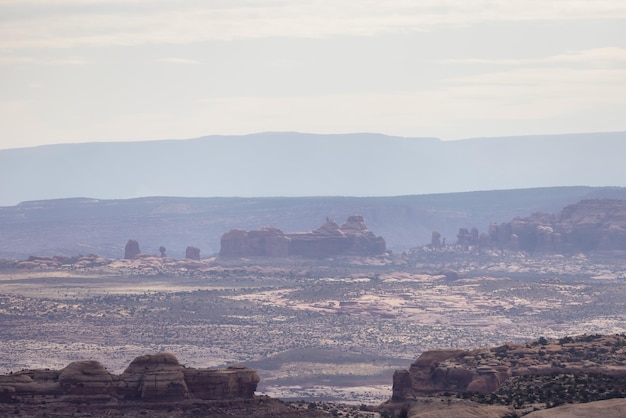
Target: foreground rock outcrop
<point>152,385</point>
<point>486,370</point>
<point>150,378</point>
<point>351,238</point>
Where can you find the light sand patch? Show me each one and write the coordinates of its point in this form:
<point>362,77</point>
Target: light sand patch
<point>354,395</point>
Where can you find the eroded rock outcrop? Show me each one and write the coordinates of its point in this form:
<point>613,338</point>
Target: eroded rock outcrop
<point>435,239</point>
<point>233,382</point>
<point>192,253</point>
<point>330,239</point>
<point>154,377</point>
<point>270,242</point>
<point>598,224</point>
<point>87,380</point>
<point>486,370</point>
<point>131,250</point>
<point>590,225</point>
<point>158,377</point>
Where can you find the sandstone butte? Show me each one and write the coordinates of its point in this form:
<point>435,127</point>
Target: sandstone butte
<point>589,225</point>
<point>149,378</point>
<point>352,238</point>
<point>485,370</point>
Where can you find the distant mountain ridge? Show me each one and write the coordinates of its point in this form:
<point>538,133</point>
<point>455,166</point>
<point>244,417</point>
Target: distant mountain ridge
<point>296,164</point>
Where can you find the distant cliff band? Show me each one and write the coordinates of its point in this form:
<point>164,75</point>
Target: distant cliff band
<point>351,238</point>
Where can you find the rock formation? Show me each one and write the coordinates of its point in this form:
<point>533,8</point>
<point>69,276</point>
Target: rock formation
<point>86,380</point>
<point>270,242</point>
<point>435,239</point>
<point>159,377</point>
<point>590,225</point>
<point>352,238</point>
<point>598,224</point>
<point>486,370</point>
<point>192,253</point>
<point>131,250</point>
<point>154,377</point>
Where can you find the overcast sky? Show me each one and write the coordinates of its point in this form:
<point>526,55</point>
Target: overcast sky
<point>116,70</point>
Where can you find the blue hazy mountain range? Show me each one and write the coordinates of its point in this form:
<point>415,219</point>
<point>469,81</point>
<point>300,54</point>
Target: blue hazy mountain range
<point>297,164</point>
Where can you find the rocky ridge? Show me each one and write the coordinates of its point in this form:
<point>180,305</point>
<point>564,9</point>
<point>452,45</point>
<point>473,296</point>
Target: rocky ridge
<point>486,370</point>
<point>154,385</point>
<point>148,378</point>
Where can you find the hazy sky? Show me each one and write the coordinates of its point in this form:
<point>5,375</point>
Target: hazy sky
<point>99,70</point>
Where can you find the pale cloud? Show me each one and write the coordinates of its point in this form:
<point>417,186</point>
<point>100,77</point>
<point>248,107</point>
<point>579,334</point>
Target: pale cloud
<point>547,77</point>
<point>524,101</point>
<point>528,96</point>
<point>14,59</point>
<point>534,67</point>
<point>177,60</point>
<point>172,22</point>
<point>596,57</point>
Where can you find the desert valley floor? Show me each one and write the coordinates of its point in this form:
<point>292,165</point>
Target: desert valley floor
<point>326,330</point>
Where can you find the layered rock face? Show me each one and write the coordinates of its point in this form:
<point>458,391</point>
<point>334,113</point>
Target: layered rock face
<point>590,225</point>
<point>154,377</point>
<point>233,382</point>
<point>352,238</point>
<point>271,242</point>
<point>594,225</point>
<point>87,380</point>
<point>485,370</point>
<point>158,377</point>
